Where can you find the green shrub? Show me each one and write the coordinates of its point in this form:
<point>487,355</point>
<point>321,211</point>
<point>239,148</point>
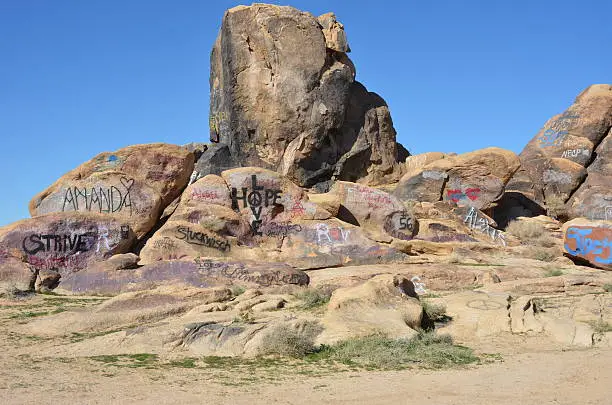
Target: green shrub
<point>291,340</point>
<point>381,352</point>
<point>314,297</point>
<point>530,233</point>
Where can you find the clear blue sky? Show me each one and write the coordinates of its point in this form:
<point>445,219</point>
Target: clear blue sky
<point>81,77</point>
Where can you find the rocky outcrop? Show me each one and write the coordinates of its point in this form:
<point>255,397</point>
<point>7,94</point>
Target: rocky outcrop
<point>132,185</point>
<point>569,159</point>
<point>256,214</point>
<point>475,179</point>
<point>283,97</point>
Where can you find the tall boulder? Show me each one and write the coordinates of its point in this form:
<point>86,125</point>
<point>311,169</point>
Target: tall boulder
<point>284,97</point>
<point>569,159</point>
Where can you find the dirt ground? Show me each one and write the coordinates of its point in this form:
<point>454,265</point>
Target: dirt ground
<point>571,377</point>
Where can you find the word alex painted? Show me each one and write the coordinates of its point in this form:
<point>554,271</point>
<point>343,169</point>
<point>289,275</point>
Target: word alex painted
<point>202,239</point>
<point>473,220</point>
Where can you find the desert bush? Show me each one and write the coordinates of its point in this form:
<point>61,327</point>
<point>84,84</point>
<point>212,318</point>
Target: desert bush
<point>381,352</point>
<point>237,290</point>
<point>542,254</point>
<point>607,287</point>
<point>530,233</point>
<point>314,297</point>
<point>434,311</point>
<point>553,273</point>
<point>291,340</point>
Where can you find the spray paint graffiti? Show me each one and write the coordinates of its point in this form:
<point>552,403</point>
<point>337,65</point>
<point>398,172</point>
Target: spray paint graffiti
<point>55,243</point>
<point>456,195</point>
<point>575,153</point>
<point>419,287</point>
<point>108,200</point>
<point>202,239</point>
<point>592,243</point>
<point>556,133</point>
<point>474,221</point>
<point>374,198</point>
<point>327,234</point>
<point>256,199</point>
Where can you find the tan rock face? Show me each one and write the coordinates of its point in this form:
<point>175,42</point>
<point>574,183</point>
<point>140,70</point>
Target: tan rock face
<point>589,241</point>
<point>65,242</point>
<point>283,97</point>
<point>132,185</point>
<point>259,215</point>
<point>568,158</point>
<point>474,179</point>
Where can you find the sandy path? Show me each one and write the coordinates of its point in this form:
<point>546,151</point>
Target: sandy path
<point>572,377</point>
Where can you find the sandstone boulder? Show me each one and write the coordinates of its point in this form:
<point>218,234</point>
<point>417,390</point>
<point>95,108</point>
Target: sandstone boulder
<point>65,242</point>
<point>283,97</point>
<point>556,162</point>
<point>133,185</point>
<point>376,306</point>
<point>474,179</point>
<point>589,241</point>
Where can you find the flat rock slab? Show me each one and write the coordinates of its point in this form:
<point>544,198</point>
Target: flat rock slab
<point>201,273</point>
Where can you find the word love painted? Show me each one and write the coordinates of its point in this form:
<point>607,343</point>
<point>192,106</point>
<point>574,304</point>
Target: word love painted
<point>256,199</point>
<point>109,199</point>
<point>55,243</point>
<point>591,243</point>
<point>202,239</point>
<point>474,221</point>
<point>457,195</point>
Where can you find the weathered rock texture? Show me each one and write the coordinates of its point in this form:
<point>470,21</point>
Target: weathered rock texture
<point>284,97</point>
<point>589,241</point>
<point>132,185</point>
<point>475,179</point>
<point>62,242</point>
<point>256,214</point>
<point>567,166</point>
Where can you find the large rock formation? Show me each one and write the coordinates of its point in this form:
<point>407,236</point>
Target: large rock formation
<point>283,96</point>
<point>569,159</point>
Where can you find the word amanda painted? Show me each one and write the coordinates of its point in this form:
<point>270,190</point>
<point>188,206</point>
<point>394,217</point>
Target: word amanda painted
<point>202,239</point>
<point>110,199</point>
<point>473,220</point>
<point>256,199</point>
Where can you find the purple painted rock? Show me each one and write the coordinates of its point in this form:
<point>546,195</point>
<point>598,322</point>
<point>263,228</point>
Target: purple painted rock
<point>65,242</point>
<point>202,273</point>
<point>133,185</point>
<point>589,241</point>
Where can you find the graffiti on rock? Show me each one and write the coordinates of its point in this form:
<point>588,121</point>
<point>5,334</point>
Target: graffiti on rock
<point>282,229</point>
<point>400,225</point>
<point>556,133</point>
<point>258,198</point>
<point>238,271</point>
<point>475,221</point>
<point>109,162</point>
<point>63,243</point>
<point>202,239</point>
<point>102,199</point>
<point>419,287</point>
<point>125,231</point>
<point>204,195</point>
<point>327,234</point>
<point>553,176</point>
<point>608,213</point>
<point>374,198</point>
<point>575,153</point>
<point>592,243</point>
<point>456,195</point>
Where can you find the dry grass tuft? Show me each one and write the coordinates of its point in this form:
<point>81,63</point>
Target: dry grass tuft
<point>531,233</point>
